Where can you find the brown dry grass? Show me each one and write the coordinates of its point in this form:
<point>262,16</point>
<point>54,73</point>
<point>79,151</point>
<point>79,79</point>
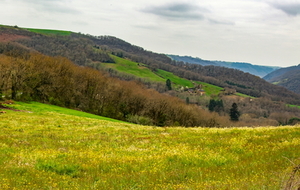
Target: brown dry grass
<point>10,37</point>
<point>293,182</point>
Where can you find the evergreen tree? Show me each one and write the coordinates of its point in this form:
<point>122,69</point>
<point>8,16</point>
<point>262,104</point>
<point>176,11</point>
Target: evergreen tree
<point>211,105</point>
<point>168,84</point>
<point>219,106</point>
<point>234,113</point>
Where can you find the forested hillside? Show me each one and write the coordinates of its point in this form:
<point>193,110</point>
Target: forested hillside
<point>32,76</point>
<point>38,65</point>
<point>224,77</point>
<point>287,77</point>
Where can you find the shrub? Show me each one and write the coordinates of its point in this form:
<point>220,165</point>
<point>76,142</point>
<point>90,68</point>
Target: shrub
<point>141,120</point>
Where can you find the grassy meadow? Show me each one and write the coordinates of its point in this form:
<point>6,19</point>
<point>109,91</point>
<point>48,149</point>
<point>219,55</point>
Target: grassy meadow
<point>49,32</point>
<point>175,79</point>
<point>133,68</point>
<point>142,71</point>
<point>47,147</point>
<point>210,89</point>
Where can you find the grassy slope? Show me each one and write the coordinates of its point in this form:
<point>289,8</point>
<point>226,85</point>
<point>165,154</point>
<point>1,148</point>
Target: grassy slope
<point>40,108</point>
<point>293,106</point>
<point>126,66</point>
<point>141,71</point>
<point>47,31</point>
<point>53,149</point>
<point>130,67</point>
<point>210,89</point>
<point>174,79</point>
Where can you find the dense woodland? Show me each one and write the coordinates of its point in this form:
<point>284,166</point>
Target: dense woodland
<point>40,68</point>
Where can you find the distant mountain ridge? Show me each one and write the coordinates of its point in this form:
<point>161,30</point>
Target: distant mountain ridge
<point>257,70</point>
<point>288,77</point>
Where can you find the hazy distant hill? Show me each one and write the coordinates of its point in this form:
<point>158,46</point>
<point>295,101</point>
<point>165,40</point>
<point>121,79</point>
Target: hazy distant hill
<point>257,70</point>
<point>287,77</point>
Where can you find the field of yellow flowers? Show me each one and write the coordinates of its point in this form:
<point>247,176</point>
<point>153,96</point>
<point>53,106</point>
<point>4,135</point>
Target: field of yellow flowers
<point>46,147</point>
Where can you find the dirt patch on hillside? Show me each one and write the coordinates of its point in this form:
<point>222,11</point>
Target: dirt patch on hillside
<point>3,107</point>
<point>11,37</point>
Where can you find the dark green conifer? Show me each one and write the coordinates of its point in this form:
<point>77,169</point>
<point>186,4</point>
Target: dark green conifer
<point>234,113</point>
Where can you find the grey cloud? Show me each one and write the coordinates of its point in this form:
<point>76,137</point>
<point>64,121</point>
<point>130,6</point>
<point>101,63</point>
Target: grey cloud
<point>175,11</point>
<point>213,21</point>
<point>148,27</point>
<point>292,9</point>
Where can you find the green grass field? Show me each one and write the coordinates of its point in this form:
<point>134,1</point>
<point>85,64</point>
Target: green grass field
<point>141,71</point>
<point>174,79</point>
<point>46,147</point>
<point>210,89</point>
<point>244,95</point>
<point>130,67</point>
<point>42,108</point>
<point>293,106</point>
<point>50,32</point>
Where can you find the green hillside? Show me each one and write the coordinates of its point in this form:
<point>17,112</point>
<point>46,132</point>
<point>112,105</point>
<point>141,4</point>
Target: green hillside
<point>48,31</point>
<point>46,147</point>
<point>40,108</point>
<point>175,79</point>
<point>210,89</point>
<point>133,68</point>
<point>142,71</point>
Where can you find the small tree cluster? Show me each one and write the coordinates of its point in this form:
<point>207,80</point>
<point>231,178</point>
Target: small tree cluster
<point>216,105</point>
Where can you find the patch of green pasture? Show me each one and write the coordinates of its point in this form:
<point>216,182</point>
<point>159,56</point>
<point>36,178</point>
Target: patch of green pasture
<point>40,108</point>
<point>133,68</point>
<point>244,95</point>
<point>293,106</point>
<point>141,71</point>
<point>6,26</point>
<point>174,79</point>
<point>210,89</point>
<point>49,32</point>
<point>1,25</point>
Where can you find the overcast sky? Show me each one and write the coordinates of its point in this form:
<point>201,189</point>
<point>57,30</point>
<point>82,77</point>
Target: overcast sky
<point>261,32</point>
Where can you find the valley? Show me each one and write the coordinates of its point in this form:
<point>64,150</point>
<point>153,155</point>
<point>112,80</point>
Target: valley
<point>95,112</point>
